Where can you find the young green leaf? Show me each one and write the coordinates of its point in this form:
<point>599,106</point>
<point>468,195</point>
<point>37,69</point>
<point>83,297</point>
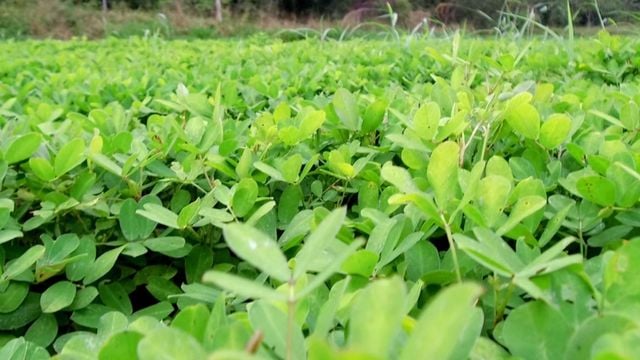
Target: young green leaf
<point>22,148</point>
<point>451,312</point>
<point>376,315</point>
<point>257,249</point>
<point>69,156</point>
<point>57,296</point>
<point>442,172</point>
<point>318,240</point>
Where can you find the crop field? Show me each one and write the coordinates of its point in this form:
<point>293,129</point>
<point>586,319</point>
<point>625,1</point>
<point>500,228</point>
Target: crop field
<point>407,199</point>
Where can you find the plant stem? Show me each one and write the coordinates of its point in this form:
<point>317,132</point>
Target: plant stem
<point>291,313</point>
<point>454,253</point>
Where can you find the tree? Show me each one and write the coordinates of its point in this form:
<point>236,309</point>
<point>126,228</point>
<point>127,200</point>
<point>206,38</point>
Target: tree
<point>218,10</point>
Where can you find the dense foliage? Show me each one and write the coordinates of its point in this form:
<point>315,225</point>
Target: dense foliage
<point>410,199</point>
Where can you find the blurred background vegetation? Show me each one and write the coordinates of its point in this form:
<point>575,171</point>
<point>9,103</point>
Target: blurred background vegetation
<point>215,18</point>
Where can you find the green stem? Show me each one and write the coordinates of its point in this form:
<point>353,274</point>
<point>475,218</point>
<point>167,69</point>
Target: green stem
<point>454,253</point>
<point>291,313</point>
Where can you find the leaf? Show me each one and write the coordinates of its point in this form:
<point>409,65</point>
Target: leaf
<point>214,132</point>
<point>8,235</point>
<point>192,320</point>
<point>443,170</point>
<point>450,312</point>
<point>57,297</point>
<point>188,214</point>
<point>199,260</point>
<point>241,286</point>
<point>23,263</point>
<point>493,194</point>
<point>426,120</point>
<point>318,240</point>
<point>116,297</point>
<point>376,315</point>
<point>362,263</point>
<point>523,118</point>
<point>26,313</point>
<point>42,168</point>
<point>272,322</point>
<point>398,177</point>
<point>169,343</point>
<point>84,297</point>
<point>258,249</point>
<point>244,196</point>
<point>102,265</point>
<point>43,331</point>
<point>106,163</point>
<point>12,296</point>
<point>536,331</point>
<point>325,321</point>
<point>555,130</point>
<point>165,244</point>
<point>525,207</point>
<point>160,215</point>
<point>346,107</point>
<point>69,156</point>
<point>374,115</point>
<point>22,148</point>
<point>123,345</point>
<point>597,189</point>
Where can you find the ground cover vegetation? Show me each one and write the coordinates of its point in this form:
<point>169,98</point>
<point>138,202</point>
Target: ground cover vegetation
<point>412,198</point>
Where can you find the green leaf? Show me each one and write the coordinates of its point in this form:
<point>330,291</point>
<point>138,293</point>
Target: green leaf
<point>525,207</point>
<point>376,315</point>
<point>362,262</point>
<point>69,156</point>
<point>84,297</point>
<point>123,345</point>
<point>426,120</point>
<point>536,331</point>
<point>214,132</point>
<point>192,320</point>
<point>12,296</point>
<point>241,286</point>
<point>169,343</point>
<point>523,118</point>
<point>555,130</point>
<point>374,115</point>
<point>106,163</point>
<point>135,226</point>
<point>102,265</point>
<point>160,215</point>
<point>57,296</point>
<point>493,194</point>
<point>26,313</point>
<point>443,170</point>
<point>597,189</point>
<point>165,244</point>
<point>398,177</point>
<point>43,331</point>
<point>244,197</point>
<point>42,168</point>
<point>199,260</point>
<point>318,240</point>
<point>451,312</point>
<point>346,107</point>
<point>272,322</point>
<point>8,235</point>
<point>188,214</point>
<point>116,297</point>
<point>258,249</point>
<point>23,263</point>
<point>22,148</point>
